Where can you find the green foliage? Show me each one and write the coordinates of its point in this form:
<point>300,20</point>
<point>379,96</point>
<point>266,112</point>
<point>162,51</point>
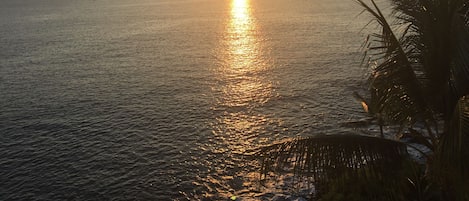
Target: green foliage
<point>451,166</point>
<point>395,90</point>
<point>416,184</point>
<point>335,162</point>
<point>406,184</point>
<point>354,187</point>
<point>325,157</point>
<point>359,190</point>
<point>419,73</point>
<point>419,64</point>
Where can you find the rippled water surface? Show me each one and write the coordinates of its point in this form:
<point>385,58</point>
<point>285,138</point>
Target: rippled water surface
<point>163,99</point>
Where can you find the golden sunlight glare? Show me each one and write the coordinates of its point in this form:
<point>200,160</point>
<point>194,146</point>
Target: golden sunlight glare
<point>245,85</point>
<point>240,10</point>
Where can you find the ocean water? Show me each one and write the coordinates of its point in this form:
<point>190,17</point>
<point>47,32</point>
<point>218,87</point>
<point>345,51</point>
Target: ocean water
<point>164,99</point>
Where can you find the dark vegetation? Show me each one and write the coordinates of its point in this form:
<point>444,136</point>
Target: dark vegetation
<point>418,82</point>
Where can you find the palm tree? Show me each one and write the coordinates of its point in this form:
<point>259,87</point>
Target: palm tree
<point>419,74</point>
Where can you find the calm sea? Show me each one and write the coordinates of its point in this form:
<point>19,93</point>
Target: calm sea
<point>163,99</point>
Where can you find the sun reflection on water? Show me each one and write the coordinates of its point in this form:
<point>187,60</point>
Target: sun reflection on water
<point>240,12</point>
<point>245,85</point>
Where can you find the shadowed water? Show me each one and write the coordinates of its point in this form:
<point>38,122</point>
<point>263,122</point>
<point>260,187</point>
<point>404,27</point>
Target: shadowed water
<point>161,100</point>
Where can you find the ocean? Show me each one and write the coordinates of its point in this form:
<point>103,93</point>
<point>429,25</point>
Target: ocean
<point>165,99</point>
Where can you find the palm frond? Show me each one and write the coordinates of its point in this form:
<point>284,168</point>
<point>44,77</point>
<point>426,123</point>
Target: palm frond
<point>459,81</point>
<point>327,157</point>
<point>452,156</point>
<point>394,86</point>
<point>437,44</point>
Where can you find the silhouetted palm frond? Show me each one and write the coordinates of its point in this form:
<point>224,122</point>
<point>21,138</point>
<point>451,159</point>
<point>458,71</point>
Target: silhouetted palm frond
<point>452,157</point>
<point>419,70</point>
<point>435,39</point>
<point>331,156</point>
<point>459,72</point>
<point>394,85</point>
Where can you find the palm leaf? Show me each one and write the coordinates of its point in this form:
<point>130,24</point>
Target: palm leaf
<point>438,47</point>
<point>452,157</point>
<point>394,86</point>
<point>459,81</point>
<point>326,157</point>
